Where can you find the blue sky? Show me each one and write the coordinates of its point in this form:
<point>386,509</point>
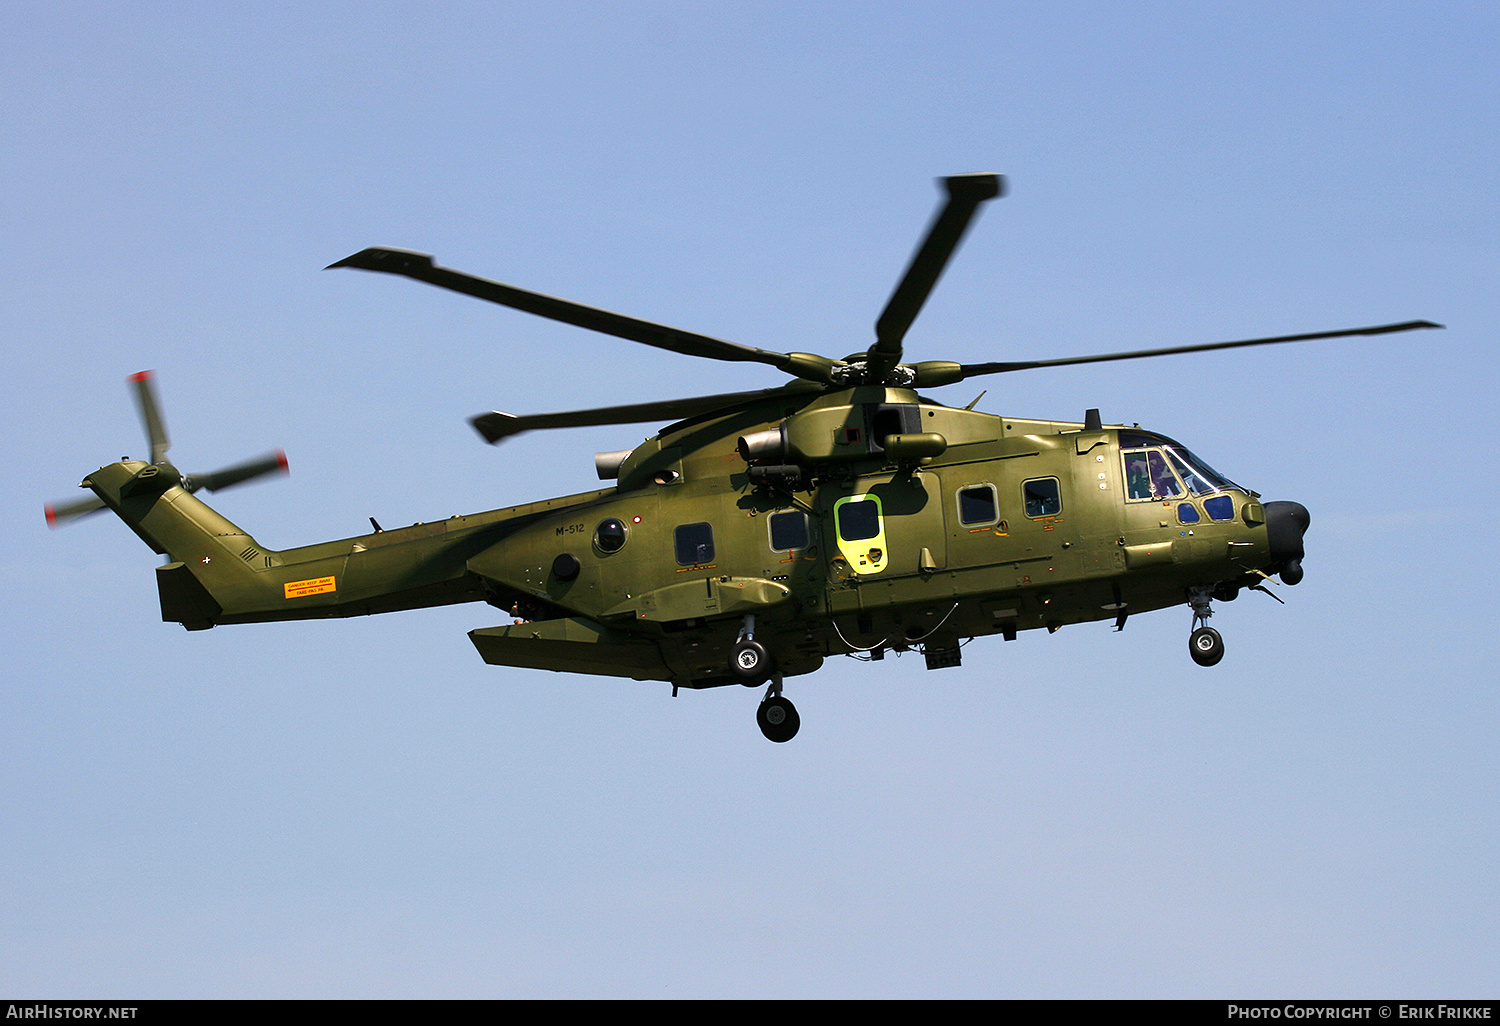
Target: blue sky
<point>364,809</point>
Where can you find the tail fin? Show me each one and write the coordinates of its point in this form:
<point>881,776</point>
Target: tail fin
<point>217,570</point>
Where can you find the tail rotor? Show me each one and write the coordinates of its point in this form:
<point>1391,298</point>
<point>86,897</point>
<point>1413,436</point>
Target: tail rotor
<point>274,462</point>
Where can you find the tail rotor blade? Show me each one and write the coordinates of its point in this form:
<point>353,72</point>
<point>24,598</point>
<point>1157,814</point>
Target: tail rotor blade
<point>156,428</point>
<point>270,463</point>
<point>59,514</point>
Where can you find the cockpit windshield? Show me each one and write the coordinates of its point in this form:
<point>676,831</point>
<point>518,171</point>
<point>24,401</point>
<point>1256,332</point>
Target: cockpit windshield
<point>1158,468</point>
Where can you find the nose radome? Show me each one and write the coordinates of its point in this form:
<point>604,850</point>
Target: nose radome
<point>1297,512</point>
<point>1286,523</point>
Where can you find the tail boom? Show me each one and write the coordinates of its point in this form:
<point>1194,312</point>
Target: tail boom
<point>219,574</point>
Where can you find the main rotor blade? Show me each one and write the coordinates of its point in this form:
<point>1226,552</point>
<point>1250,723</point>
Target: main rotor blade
<point>270,463</point>
<point>970,370</point>
<point>57,515</point>
<point>965,193</point>
<point>421,267</point>
<point>156,428</point>
<point>496,426</point>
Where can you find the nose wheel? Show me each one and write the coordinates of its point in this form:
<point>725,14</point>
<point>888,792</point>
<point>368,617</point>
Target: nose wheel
<point>749,661</point>
<point>1204,644</point>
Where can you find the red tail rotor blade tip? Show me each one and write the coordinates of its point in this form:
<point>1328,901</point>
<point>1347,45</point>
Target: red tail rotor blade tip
<point>51,516</point>
<point>281,461</point>
<point>139,376</point>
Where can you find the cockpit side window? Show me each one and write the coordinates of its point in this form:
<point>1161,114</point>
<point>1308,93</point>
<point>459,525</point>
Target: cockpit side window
<point>1163,482</point>
<point>1137,476</point>
<point>1194,480</point>
<point>1200,478</point>
<point>1161,472</point>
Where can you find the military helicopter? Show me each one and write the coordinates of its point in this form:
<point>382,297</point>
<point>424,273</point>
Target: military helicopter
<point>842,513</point>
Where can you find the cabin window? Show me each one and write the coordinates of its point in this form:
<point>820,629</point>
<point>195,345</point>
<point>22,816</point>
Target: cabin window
<point>609,535</point>
<point>978,506</point>
<point>859,520</point>
<point>695,544</point>
<point>1187,513</point>
<point>788,531</point>
<point>1220,507</point>
<point>1043,497</point>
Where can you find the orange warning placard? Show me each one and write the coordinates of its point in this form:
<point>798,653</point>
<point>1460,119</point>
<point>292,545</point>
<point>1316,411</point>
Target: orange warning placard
<point>316,586</point>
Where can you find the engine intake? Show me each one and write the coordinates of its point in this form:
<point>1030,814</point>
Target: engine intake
<point>607,464</point>
<point>764,446</point>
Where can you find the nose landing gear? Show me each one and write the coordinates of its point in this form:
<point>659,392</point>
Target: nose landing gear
<point>748,659</point>
<point>1204,644</point>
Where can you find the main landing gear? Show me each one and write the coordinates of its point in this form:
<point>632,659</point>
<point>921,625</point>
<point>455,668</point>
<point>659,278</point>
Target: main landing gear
<point>777,716</point>
<point>1204,644</point>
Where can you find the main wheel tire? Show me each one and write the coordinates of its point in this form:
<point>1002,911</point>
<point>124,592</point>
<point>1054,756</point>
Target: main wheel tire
<point>778,719</point>
<point>1206,646</point>
<point>750,662</point>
